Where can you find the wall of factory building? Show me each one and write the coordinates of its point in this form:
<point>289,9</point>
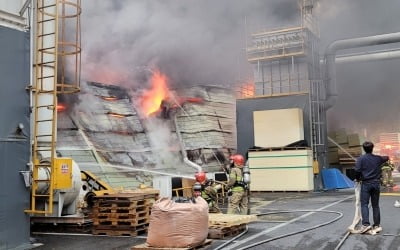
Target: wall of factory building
<point>245,120</point>
<point>289,75</point>
<point>14,143</point>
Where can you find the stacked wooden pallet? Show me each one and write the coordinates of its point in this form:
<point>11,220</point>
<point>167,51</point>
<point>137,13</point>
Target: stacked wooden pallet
<point>122,214</point>
<point>345,158</point>
<point>350,143</point>
<point>221,226</point>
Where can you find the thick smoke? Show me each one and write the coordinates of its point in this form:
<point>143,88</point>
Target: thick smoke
<point>368,92</point>
<point>203,42</point>
<point>190,41</point>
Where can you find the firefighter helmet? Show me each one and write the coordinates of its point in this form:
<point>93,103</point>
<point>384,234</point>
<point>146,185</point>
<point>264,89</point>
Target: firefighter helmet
<point>237,159</point>
<point>200,177</point>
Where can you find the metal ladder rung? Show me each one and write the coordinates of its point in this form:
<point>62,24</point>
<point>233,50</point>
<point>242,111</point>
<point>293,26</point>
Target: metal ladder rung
<point>44,63</point>
<point>47,20</point>
<point>42,49</point>
<point>48,120</point>
<point>45,77</point>
<point>46,135</point>
<point>47,180</point>
<point>47,34</point>
<point>41,195</point>
<point>47,6</point>
<point>37,211</point>
<point>46,92</point>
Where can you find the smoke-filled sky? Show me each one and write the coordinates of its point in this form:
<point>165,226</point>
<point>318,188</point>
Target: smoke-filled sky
<point>368,92</point>
<point>202,42</point>
<point>191,41</point>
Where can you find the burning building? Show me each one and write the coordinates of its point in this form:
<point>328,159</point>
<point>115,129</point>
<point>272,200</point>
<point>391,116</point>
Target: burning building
<point>109,134</point>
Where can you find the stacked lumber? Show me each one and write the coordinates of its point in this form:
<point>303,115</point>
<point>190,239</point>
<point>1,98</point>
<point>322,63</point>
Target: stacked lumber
<point>221,226</point>
<point>345,159</point>
<point>350,143</point>
<point>122,214</point>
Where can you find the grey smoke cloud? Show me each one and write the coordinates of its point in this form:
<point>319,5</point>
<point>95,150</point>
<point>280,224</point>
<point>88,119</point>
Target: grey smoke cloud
<point>203,42</point>
<point>191,41</point>
<point>368,92</point>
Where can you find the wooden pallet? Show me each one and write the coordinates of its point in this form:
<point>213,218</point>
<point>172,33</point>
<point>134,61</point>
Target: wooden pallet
<point>119,232</point>
<point>145,246</point>
<point>122,214</point>
<point>119,222</point>
<point>226,220</point>
<point>111,211</point>
<point>215,232</point>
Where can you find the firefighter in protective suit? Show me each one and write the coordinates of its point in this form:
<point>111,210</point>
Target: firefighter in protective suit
<point>207,189</point>
<point>387,169</point>
<point>238,203</point>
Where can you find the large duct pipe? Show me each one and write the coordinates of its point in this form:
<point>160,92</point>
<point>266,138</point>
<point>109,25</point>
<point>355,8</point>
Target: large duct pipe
<point>368,56</point>
<point>330,57</point>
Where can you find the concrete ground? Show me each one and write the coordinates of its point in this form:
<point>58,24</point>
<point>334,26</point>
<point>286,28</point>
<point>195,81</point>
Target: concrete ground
<point>321,225</point>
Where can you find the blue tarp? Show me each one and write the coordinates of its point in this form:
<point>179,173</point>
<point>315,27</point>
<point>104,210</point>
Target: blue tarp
<point>334,179</point>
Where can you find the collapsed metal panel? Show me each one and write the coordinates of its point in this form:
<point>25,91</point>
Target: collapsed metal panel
<point>245,108</point>
<point>208,130</point>
<point>14,142</point>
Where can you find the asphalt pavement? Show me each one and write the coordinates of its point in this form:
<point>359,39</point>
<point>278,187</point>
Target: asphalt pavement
<point>287,220</point>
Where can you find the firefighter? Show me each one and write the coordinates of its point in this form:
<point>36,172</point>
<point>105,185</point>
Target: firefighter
<point>238,202</point>
<point>207,189</point>
<point>387,179</point>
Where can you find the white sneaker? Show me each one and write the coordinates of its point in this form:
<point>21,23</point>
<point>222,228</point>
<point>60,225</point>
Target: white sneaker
<point>396,204</point>
<point>364,228</point>
<point>377,229</point>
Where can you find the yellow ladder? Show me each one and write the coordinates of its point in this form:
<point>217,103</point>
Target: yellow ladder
<point>45,107</point>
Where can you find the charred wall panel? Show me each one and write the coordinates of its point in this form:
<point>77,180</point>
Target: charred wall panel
<point>244,113</point>
<point>14,144</point>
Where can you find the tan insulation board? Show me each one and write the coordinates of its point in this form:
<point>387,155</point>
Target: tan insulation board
<point>286,170</point>
<point>277,128</point>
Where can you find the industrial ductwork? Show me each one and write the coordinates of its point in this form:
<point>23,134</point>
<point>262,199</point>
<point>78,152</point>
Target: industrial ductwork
<point>330,57</point>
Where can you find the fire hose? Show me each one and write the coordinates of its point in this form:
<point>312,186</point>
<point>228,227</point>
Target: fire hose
<point>340,215</point>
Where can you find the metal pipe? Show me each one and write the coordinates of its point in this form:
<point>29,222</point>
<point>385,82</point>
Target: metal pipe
<point>367,56</point>
<point>330,57</point>
<point>183,150</point>
<point>376,56</point>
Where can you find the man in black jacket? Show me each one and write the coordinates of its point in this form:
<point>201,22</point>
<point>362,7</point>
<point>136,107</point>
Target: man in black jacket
<point>368,171</point>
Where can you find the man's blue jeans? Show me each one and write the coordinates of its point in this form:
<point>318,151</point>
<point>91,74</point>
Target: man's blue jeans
<point>370,190</point>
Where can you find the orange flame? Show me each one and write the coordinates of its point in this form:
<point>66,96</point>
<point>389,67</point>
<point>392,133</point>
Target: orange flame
<point>109,98</point>
<point>247,90</point>
<point>152,98</point>
<point>116,115</point>
<point>61,107</point>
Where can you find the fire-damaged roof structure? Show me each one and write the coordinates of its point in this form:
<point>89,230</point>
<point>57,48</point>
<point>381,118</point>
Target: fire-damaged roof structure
<point>104,132</point>
<point>208,129</point>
